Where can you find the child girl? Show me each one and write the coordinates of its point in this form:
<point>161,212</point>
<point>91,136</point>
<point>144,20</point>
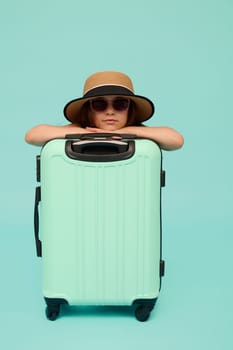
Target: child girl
<point>108,105</point>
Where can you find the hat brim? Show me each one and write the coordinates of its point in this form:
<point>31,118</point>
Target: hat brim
<point>144,107</point>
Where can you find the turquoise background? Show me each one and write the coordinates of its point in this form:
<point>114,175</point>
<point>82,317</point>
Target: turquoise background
<point>179,54</point>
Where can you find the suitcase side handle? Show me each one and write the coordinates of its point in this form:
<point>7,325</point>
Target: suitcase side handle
<point>100,150</point>
<point>36,221</point>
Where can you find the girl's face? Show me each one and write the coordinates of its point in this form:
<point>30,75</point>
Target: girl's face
<point>109,113</point>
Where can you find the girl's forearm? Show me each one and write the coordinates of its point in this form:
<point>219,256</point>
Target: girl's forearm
<point>168,138</point>
<point>40,134</point>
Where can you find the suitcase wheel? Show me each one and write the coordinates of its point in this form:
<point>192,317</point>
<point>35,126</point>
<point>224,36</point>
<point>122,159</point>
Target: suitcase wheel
<point>52,312</point>
<point>142,313</point>
<point>143,309</point>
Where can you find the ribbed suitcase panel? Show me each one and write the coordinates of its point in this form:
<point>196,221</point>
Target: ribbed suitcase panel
<point>101,228</point>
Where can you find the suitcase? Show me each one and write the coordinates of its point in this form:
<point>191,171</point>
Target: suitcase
<point>99,207</point>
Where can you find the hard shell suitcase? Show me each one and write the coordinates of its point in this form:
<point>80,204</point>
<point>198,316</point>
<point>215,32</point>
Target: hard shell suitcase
<point>99,207</point>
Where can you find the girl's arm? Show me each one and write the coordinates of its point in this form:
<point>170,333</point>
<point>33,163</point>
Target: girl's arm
<point>42,133</point>
<point>168,138</point>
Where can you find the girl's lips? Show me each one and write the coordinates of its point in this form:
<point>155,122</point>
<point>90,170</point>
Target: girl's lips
<point>110,121</point>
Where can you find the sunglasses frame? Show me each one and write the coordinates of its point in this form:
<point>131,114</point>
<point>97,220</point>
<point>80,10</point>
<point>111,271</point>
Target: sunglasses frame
<point>109,103</point>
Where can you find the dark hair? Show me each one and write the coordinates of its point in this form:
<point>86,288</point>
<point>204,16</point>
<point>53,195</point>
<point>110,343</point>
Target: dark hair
<point>85,115</point>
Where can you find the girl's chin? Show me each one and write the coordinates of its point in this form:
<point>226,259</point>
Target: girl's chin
<point>109,127</point>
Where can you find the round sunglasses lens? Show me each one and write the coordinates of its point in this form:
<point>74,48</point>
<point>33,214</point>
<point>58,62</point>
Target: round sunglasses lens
<point>99,105</point>
<point>120,104</point>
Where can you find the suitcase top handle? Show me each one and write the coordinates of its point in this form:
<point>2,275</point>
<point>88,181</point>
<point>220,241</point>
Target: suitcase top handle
<point>101,136</point>
<point>100,149</point>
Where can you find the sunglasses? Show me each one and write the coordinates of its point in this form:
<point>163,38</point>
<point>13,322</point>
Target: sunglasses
<point>101,104</point>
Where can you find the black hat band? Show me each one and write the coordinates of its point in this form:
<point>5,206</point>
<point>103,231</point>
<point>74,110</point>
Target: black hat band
<point>108,90</point>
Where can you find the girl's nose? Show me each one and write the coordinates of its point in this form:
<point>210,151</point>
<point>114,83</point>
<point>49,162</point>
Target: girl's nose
<point>110,109</point>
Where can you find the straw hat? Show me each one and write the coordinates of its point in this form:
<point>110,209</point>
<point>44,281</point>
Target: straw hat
<point>104,84</point>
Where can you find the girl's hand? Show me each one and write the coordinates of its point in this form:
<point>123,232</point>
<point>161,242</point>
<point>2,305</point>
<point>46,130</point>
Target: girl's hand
<point>129,129</point>
<point>89,129</point>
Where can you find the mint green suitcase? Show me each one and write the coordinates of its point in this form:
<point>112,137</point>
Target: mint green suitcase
<point>99,205</point>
